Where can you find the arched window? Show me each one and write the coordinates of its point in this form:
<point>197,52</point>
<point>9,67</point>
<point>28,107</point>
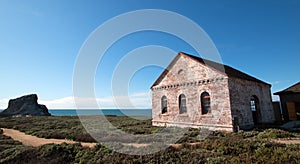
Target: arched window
<point>253,103</point>
<point>182,104</point>
<point>164,105</point>
<point>205,103</point>
<point>254,106</point>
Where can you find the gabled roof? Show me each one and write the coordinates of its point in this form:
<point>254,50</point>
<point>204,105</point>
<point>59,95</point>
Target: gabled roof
<point>292,89</point>
<point>224,69</point>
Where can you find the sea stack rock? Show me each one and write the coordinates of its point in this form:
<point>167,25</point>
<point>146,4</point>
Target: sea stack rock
<point>25,106</point>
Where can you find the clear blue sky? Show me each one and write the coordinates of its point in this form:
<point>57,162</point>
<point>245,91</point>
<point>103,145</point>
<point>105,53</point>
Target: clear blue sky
<point>40,40</point>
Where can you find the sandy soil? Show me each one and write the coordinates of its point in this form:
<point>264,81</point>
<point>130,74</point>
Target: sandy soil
<point>287,141</point>
<point>30,140</point>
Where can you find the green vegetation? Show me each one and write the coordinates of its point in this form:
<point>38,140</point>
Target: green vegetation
<point>274,134</point>
<point>68,127</point>
<point>242,147</point>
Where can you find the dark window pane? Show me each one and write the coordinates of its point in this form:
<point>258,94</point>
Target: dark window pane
<point>205,103</point>
<point>164,105</point>
<point>182,104</point>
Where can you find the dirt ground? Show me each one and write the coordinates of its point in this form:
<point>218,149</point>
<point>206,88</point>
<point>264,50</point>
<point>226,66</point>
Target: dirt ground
<point>287,141</point>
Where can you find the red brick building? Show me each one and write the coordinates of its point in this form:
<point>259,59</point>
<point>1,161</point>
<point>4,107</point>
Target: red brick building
<point>194,92</point>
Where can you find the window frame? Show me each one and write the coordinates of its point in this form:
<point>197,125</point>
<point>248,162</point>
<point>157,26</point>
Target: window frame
<point>205,103</point>
<point>182,102</point>
<point>254,103</point>
<point>164,104</point>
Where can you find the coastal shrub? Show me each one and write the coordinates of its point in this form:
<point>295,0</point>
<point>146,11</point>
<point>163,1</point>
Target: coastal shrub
<point>215,160</point>
<point>85,137</point>
<point>70,137</point>
<point>277,152</point>
<point>190,136</point>
<point>58,135</point>
<point>274,134</point>
<point>84,156</point>
<point>217,134</point>
<point>59,153</point>
<point>14,154</point>
<point>133,130</point>
<point>249,134</point>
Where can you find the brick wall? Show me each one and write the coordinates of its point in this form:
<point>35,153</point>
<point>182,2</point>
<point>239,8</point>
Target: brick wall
<point>240,96</point>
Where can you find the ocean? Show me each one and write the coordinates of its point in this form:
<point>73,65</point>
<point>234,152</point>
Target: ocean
<point>115,112</point>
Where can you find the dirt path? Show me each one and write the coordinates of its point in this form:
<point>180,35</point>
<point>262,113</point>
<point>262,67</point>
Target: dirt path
<point>287,141</point>
<point>30,140</point>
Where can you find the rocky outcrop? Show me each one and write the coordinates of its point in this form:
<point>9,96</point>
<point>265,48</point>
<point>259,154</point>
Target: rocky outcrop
<point>25,106</point>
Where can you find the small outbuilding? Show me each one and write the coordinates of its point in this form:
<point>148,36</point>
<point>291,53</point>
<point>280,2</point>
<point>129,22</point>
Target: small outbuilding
<point>199,93</point>
<point>290,102</point>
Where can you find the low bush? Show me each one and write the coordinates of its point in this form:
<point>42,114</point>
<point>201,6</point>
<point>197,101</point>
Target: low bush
<point>274,134</point>
<point>84,137</point>
<point>249,134</point>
